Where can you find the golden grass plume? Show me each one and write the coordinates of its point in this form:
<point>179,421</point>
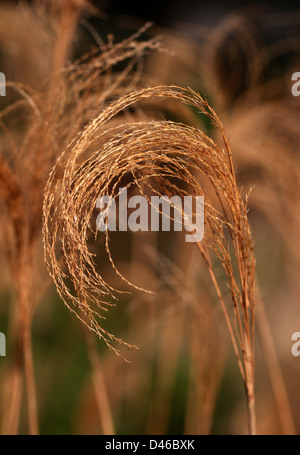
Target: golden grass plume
<point>160,155</point>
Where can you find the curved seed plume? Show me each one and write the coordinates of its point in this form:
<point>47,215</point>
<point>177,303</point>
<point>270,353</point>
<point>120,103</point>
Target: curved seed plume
<point>166,158</point>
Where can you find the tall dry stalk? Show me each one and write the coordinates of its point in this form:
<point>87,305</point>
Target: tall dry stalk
<point>183,295</point>
<point>55,99</point>
<point>162,156</point>
<point>269,159</point>
<point>258,109</point>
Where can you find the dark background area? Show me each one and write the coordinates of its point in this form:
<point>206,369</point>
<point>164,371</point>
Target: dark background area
<point>170,13</point>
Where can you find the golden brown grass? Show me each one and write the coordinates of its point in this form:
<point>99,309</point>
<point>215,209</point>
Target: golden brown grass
<point>36,127</point>
<point>101,132</point>
<point>242,72</point>
<point>153,153</point>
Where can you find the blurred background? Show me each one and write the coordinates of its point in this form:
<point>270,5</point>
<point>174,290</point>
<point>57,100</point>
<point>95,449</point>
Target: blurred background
<point>184,378</point>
